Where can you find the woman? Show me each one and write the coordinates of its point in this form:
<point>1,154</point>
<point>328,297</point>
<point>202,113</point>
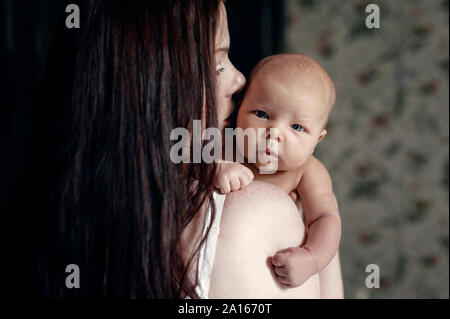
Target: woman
<point>104,194</point>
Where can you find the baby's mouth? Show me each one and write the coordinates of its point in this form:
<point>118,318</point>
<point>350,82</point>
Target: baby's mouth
<point>267,156</point>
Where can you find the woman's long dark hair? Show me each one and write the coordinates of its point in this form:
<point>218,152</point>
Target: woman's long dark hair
<point>105,195</point>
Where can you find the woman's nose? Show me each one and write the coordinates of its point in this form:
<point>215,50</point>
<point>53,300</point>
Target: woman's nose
<point>238,81</point>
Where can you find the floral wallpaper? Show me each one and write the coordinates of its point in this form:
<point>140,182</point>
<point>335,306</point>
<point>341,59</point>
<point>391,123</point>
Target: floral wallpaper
<point>387,147</point>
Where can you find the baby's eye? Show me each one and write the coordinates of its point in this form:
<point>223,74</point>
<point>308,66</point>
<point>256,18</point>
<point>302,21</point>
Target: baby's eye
<point>262,115</point>
<point>297,127</point>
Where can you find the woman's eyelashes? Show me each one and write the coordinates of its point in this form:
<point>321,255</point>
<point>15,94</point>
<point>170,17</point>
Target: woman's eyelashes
<point>262,114</point>
<point>220,69</point>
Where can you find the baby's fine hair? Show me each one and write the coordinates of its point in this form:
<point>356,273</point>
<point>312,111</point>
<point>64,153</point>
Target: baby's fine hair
<point>303,64</point>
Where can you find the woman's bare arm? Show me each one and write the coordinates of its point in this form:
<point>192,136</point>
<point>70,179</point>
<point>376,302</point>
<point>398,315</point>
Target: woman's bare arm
<point>331,283</point>
<point>257,222</point>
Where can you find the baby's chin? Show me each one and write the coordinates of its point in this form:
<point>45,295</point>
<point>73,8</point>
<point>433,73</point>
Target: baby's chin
<point>270,167</point>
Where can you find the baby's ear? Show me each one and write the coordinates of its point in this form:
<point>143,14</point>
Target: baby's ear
<point>322,135</point>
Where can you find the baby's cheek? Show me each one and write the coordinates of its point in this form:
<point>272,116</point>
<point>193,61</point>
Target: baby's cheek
<point>247,143</point>
<point>294,157</point>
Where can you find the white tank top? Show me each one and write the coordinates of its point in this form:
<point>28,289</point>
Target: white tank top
<point>208,249</point>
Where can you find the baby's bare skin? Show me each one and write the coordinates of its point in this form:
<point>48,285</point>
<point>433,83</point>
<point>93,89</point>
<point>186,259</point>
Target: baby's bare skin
<point>295,95</point>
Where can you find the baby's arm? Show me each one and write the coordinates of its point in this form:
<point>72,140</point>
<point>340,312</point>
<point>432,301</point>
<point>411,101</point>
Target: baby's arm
<point>232,176</point>
<point>295,265</point>
<point>321,213</point>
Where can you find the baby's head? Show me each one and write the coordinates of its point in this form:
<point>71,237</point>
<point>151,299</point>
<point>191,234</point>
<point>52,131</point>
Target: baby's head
<point>293,94</point>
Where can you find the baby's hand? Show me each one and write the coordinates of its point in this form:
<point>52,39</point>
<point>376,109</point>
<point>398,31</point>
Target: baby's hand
<point>232,176</point>
<point>293,266</point>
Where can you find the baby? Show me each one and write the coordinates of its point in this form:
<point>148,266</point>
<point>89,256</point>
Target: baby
<point>293,94</point>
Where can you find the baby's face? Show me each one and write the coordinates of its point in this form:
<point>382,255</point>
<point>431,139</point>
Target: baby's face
<point>297,110</point>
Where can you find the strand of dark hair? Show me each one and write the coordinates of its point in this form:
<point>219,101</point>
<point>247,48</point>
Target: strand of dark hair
<point>103,191</point>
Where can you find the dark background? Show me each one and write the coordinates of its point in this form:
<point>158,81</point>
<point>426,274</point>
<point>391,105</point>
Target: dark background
<point>27,29</point>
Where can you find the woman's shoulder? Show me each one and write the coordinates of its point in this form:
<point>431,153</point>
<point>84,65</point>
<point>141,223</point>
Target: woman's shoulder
<point>255,201</point>
<point>259,204</point>
<point>256,222</point>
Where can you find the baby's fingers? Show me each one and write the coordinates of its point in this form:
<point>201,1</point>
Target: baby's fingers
<point>235,183</point>
<point>245,180</point>
<point>284,281</point>
<point>279,260</point>
<point>280,271</point>
<point>224,185</point>
<point>250,174</point>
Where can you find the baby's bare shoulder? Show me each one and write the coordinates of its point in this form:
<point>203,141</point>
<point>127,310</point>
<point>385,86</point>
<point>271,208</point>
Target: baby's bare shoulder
<point>313,166</point>
<point>315,176</point>
<point>313,163</point>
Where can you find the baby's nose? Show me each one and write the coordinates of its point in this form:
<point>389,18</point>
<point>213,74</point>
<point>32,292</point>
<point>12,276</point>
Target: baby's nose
<point>273,134</point>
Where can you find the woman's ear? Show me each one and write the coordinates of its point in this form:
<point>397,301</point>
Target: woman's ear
<point>322,135</point>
